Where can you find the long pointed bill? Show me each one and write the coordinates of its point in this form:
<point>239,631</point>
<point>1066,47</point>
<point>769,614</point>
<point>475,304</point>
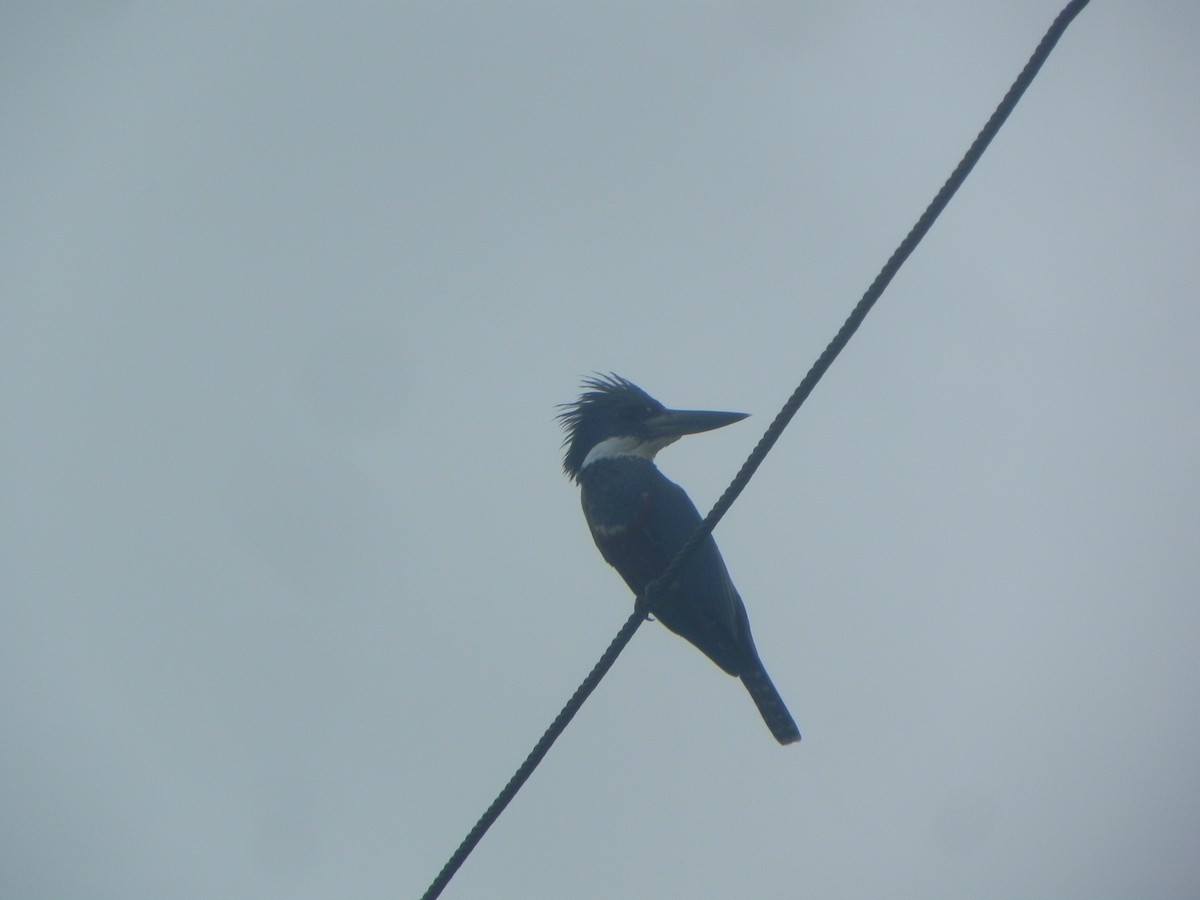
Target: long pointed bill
<point>675,423</point>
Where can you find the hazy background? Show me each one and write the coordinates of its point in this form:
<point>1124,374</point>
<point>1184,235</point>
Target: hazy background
<point>292,580</point>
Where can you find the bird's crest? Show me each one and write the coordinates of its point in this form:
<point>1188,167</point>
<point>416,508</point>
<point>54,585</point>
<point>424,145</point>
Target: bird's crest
<point>606,399</point>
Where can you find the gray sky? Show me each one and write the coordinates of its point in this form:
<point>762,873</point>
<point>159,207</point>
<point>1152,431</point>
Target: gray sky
<point>292,580</point>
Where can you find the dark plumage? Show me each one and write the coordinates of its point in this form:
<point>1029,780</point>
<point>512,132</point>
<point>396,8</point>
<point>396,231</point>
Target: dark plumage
<point>639,520</point>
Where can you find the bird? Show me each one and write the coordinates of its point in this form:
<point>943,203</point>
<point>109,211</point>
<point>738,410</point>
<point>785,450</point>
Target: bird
<point>640,519</point>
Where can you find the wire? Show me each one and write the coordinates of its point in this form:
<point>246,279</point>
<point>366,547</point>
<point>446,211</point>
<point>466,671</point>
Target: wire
<point>645,603</point>
<point>878,286</point>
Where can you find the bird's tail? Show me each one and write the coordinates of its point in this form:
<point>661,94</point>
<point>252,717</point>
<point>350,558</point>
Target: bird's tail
<point>770,705</point>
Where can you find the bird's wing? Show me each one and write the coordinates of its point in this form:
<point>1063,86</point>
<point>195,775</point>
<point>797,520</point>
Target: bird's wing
<point>701,604</point>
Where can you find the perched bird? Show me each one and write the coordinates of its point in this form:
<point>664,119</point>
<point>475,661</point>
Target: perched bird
<point>639,520</point>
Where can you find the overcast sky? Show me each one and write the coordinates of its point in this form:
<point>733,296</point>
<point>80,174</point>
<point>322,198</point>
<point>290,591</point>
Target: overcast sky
<point>292,580</point>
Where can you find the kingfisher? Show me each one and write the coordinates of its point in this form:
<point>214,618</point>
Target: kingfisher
<point>640,519</point>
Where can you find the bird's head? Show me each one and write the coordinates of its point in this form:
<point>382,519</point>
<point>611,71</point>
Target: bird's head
<point>615,417</point>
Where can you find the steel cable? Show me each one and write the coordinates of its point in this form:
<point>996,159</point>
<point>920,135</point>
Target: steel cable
<point>645,603</point>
